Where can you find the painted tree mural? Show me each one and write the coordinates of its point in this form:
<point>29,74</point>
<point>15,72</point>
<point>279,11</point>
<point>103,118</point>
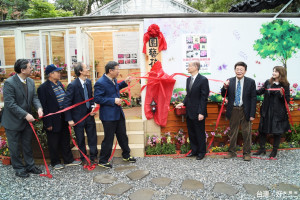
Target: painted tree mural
<point>281,39</point>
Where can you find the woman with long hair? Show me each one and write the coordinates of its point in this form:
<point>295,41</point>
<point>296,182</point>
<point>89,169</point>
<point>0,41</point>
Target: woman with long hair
<point>274,119</point>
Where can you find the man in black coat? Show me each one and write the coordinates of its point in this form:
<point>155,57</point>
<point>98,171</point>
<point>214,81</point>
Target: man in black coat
<point>197,88</point>
<point>51,94</point>
<point>80,90</point>
<point>241,108</point>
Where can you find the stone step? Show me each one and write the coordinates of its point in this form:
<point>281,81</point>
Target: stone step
<point>136,150</point>
<point>134,137</point>
<point>131,125</point>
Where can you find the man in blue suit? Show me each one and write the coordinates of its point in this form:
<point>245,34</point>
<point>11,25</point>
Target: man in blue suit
<point>107,94</point>
<point>80,90</point>
<point>51,94</point>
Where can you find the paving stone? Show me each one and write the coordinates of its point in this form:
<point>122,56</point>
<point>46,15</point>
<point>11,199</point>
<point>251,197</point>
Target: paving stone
<point>287,188</point>
<point>144,194</point>
<point>161,181</point>
<point>97,169</point>
<point>253,189</point>
<point>104,178</point>
<point>192,185</point>
<point>138,174</point>
<point>178,197</point>
<point>119,161</point>
<point>117,189</point>
<point>123,168</point>
<point>224,188</point>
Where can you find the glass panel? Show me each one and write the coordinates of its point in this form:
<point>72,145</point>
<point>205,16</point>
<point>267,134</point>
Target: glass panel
<point>33,53</point>
<point>7,58</point>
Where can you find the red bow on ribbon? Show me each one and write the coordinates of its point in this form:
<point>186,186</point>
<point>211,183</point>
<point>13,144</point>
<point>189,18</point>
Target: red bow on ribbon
<point>152,32</point>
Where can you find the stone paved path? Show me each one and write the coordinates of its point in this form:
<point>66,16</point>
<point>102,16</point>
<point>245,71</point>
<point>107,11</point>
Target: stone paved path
<point>164,178</point>
<point>187,184</point>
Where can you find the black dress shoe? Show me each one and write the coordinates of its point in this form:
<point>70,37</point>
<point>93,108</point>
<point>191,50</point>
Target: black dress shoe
<point>273,153</point>
<point>34,170</point>
<point>260,151</point>
<point>22,174</point>
<point>200,157</point>
<point>190,155</point>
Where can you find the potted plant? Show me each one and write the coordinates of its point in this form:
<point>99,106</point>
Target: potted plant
<point>4,151</point>
<point>179,139</point>
<point>178,97</point>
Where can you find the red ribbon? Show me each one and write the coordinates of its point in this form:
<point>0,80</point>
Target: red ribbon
<point>112,155</point>
<point>89,166</point>
<point>47,169</point>
<point>286,104</point>
<point>218,120</point>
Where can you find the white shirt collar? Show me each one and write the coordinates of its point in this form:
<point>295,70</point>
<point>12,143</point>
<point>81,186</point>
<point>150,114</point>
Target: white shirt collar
<point>22,80</point>
<point>195,76</point>
<point>81,81</point>
<point>110,79</point>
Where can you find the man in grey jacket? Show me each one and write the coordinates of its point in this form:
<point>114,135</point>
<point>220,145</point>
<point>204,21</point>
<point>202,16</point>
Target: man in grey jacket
<point>19,95</point>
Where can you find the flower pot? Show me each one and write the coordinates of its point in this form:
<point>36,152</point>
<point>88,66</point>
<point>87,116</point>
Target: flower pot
<point>5,160</point>
<point>178,146</point>
<point>180,111</point>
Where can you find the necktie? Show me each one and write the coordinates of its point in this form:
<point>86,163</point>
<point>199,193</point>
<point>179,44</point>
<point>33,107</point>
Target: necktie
<point>25,88</point>
<point>191,83</point>
<point>86,97</point>
<point>237,94</point>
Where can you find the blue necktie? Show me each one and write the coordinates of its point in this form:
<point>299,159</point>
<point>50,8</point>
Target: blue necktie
<point>86,97</point>
<point>238,94</point>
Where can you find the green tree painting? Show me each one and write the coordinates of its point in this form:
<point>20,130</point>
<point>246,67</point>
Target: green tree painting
<point>281,39</point>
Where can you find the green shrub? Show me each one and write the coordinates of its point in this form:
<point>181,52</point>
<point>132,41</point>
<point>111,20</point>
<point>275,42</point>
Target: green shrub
<point>294,134</point>
<point>185,148</point>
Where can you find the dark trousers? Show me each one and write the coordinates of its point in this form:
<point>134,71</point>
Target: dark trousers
<point>110,128</point>
<point>263,139</point>
<point>237,119</point>
<point>60,142</point>
<point>196,131</point>
<point>24,138</point>
<point>89,126</point>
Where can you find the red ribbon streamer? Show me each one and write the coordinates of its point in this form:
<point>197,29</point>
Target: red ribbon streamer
<point>49,175</point>
<point>68,108</point>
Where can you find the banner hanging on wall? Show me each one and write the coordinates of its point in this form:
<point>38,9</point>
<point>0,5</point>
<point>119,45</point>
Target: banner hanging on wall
<point>196,49</point>
<point>125,49</point>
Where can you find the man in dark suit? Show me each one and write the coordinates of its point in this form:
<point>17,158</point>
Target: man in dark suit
<point>197,88</point>
<point>107,94</point>
<point>80,90</point>
<point>241,108</point>
<point>19,95</point>
<point>51,94</point>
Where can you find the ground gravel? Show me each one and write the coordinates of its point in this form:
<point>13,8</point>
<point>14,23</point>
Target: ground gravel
<point>76,183</point>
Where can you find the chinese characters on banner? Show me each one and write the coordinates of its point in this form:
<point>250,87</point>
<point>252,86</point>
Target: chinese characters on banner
<point>125,49</point>
<point>152,51</point>
<point>196,49</point>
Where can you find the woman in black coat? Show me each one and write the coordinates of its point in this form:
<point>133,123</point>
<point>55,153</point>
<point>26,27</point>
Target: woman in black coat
<point>274,118</point>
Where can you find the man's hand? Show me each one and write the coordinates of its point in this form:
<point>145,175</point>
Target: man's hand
<point>128,80</point>
<point>226,84</point>
<point>71,123</point>
<point>118,101</point>
<point>49,128</point>
<point>40,112</point>
<point>179,105</point>
<point>29,118</point>
<point>92,112</point>
<point>252,118</point>
<point>200,117</point>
